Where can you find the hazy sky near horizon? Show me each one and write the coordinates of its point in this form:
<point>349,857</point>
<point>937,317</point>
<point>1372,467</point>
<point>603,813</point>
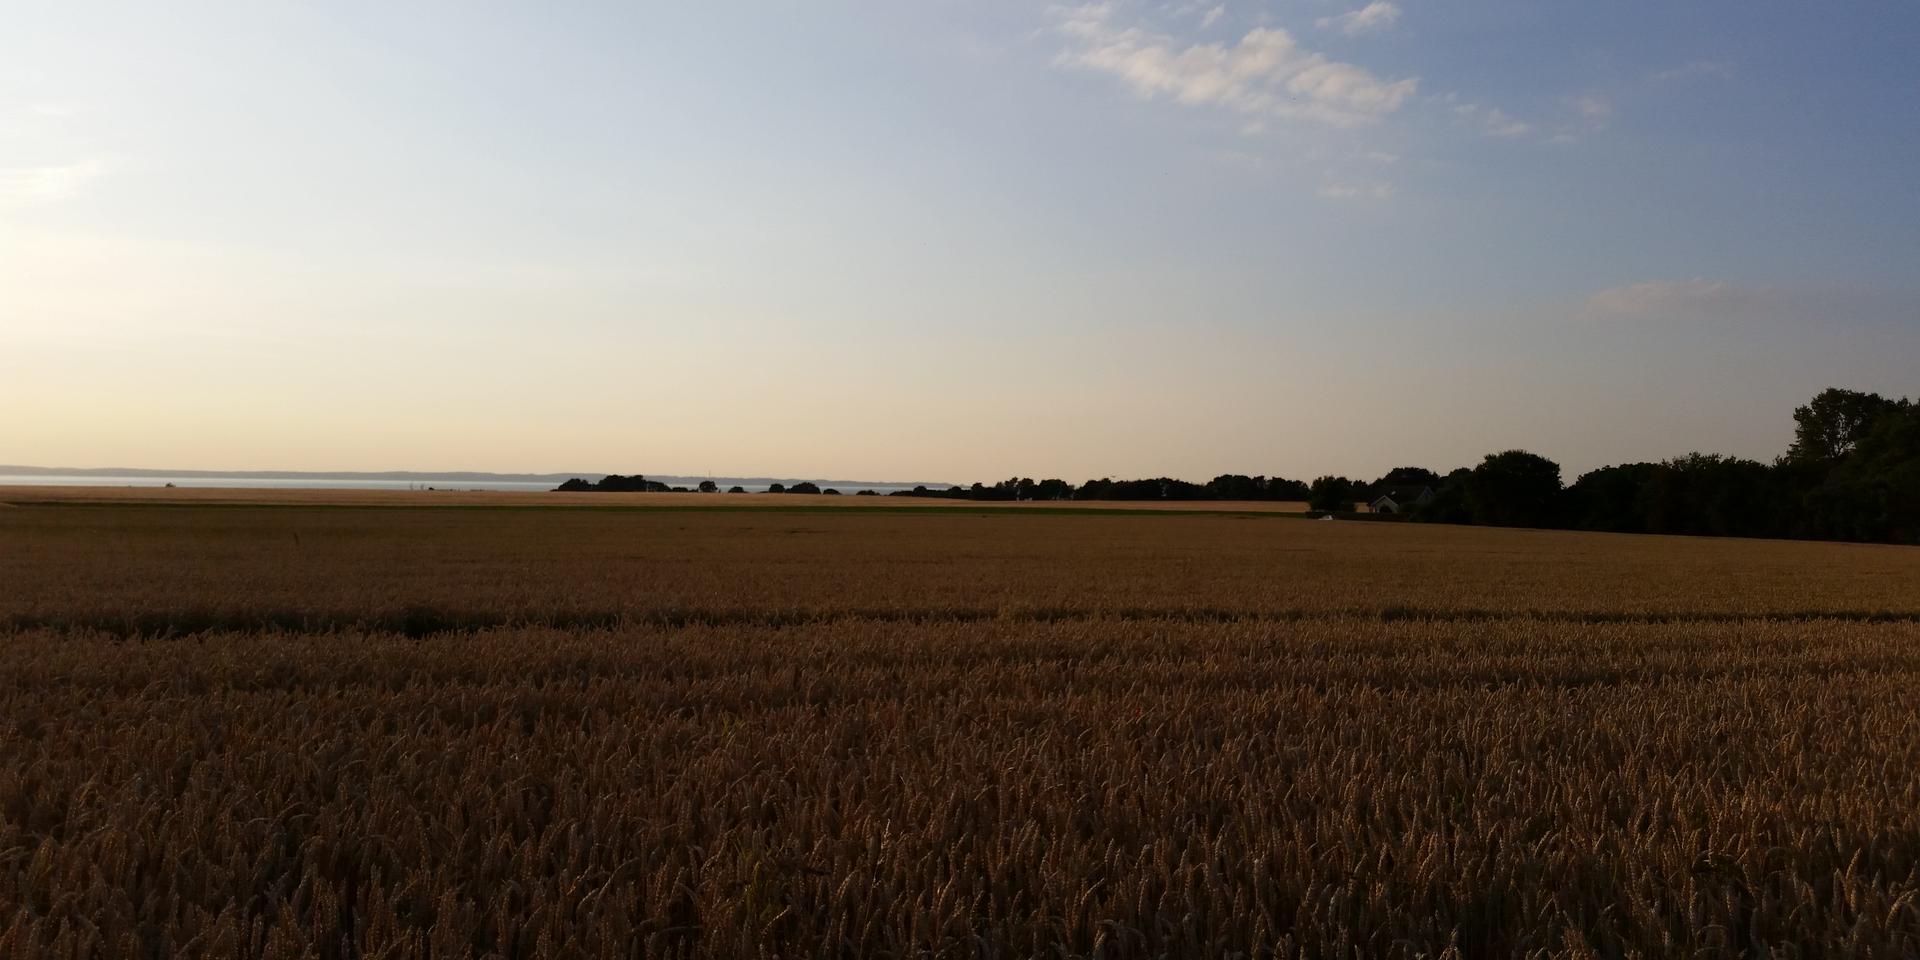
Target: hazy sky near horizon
<point>948,240</point>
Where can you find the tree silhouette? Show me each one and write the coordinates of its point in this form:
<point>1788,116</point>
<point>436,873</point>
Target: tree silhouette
<point>1831,424</point>
<point>1514,488</point>
<point>1332,494</point>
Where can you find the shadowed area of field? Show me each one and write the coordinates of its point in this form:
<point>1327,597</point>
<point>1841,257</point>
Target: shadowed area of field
<point>344,567</point>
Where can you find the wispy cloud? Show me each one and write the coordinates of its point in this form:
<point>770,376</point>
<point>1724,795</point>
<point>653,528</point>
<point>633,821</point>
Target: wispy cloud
<point>1491,121</point>
<point>1263,74</point>
<point>1375,191</point>
<point>1372,18</point>
<point>1719,69</point>
<point>1212,16</point>
<point>1593,113</point>
<point>1595,110</point>
<point>47,184</point>
<point>1667,297</point>
<point>1239,159</point>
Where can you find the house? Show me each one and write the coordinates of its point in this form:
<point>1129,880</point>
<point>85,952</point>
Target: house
<point>1400,499</point>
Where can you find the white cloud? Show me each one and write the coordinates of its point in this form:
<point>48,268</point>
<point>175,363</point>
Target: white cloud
<point>1212,16</point>
<point>1357,191</point>
<point>1666,297</point>
<point>1720,69</point>
<point>1498,124</point>
<point>1596,110</point>
<point>1595,114</point>
<point>1375,16</point>
<point>27,185</point>
<point>1382,156</point>
<point>1265,73</point>
<point>1492,121</point>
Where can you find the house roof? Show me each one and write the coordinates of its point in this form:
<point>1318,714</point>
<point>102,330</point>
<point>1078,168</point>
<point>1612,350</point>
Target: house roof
<point>1404,494</point>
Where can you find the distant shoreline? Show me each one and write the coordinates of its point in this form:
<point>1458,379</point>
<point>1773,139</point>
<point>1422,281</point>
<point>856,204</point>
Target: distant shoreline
<point>15,475</point>
<point>105,496</point>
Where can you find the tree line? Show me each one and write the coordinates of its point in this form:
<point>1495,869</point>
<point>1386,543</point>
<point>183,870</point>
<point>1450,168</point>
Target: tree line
<point>1224,487</point>
<point>622,483</point>
<point>1852,473</point>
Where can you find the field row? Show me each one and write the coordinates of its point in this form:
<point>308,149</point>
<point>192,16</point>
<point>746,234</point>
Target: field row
<point>151,569</point>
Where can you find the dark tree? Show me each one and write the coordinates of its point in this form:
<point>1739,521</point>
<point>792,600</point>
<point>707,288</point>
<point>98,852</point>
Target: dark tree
<point>831,492</point>
<point>1831,424</point>
<point>736,489</point>
<point>1408,477</point>
<point>1514,489</point>
<point>1280,488</point>
<point>1158,488</point>
<point>708,486</point>
<point>1094,490</point>
<point>1332,494</point>
<point>777,488</point>
<point>1611,498</point>
<point>1711,495</point>
<point>804,486</point>
<point>575,485</point>
<point>1874,493</point>
<point>1052,489</point>
<point>950,493</point>
<point>1234,486</point>
<point>1450,500</point>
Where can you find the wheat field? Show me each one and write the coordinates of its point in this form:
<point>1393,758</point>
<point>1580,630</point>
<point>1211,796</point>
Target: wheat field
<point>353,732</point>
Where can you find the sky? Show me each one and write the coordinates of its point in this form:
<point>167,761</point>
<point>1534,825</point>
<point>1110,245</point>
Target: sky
<point>948,240</point>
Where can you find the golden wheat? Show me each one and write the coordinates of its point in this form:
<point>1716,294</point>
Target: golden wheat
<point>271,733</point>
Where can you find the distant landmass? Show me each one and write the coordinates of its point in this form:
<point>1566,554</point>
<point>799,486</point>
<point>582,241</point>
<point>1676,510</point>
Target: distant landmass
<point>19,473</point>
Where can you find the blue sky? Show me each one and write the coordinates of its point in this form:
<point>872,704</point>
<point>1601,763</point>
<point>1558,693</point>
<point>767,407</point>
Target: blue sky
<point>950,239</point>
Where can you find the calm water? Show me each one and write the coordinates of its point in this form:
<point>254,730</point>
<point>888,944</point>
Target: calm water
<point>301,483</point>
<point>356,483</point>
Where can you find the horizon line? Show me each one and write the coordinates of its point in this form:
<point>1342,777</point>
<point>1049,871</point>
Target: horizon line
<point>17,469</point>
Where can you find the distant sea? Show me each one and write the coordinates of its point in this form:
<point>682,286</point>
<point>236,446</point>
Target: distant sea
<point>423,481</point>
